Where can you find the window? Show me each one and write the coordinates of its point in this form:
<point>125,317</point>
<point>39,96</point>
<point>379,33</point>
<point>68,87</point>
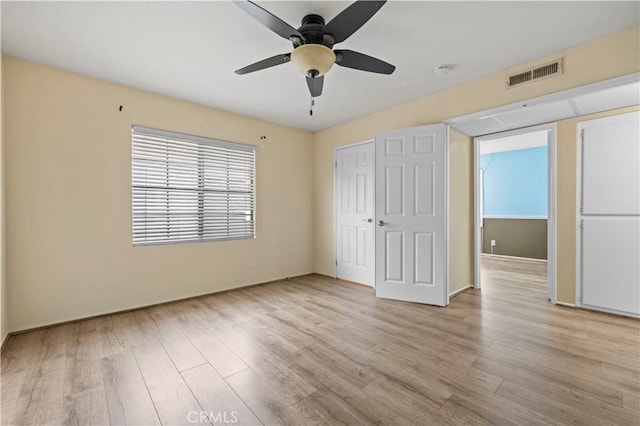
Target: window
<point>188,188</point>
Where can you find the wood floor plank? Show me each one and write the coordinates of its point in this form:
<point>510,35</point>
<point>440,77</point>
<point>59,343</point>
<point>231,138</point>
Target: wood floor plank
<point>324,407</point>
<point>266,404</point>
<point>224,360</point>
<point>172,398</point>
<point>631,403</point>
<point>128,399</point>
<point>465,412</point>
<point>555,408</point>
<point>408,405</point>
<point>343,376</point>
<point>88,407</point>
<point>10,393</point>
<point>601,409</point>
<point>562,385</point>
<point>575,366</point>
<point>434,390</point>
<point>182,352</point>
<point>219,402</point>
<point>41,396</point>
<point>24,351</point>
<point>496,406</point>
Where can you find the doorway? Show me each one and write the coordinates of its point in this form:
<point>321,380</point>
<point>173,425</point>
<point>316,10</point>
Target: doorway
<point>354,213</point>
<point>515,208</point>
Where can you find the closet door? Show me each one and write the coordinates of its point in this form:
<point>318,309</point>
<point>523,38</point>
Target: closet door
<point>609,216</point>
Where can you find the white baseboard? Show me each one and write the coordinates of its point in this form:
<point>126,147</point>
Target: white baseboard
<point>3,341</point>
<point>462,290</point>
<point>147,305</point>
<point>569,305</point>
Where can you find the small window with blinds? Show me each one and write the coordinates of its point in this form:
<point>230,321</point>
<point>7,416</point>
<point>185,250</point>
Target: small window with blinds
<point>190,189</point>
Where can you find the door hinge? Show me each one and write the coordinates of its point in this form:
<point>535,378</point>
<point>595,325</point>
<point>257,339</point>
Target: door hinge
<point>582,134</point>
<point>581,209</point>
<point>581,224</point>
<point>335,165</point>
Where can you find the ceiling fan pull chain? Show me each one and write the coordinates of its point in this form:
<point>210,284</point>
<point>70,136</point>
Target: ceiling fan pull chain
<point>312,105</point>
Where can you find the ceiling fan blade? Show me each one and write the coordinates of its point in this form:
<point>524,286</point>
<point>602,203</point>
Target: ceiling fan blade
<point>265,63</point>
<point>315,85</point>
<point>267,19</point>
<point>360,61</point>
<point>352,18</point>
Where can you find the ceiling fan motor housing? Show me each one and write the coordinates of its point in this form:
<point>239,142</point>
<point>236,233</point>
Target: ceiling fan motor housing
<point>312,30</point>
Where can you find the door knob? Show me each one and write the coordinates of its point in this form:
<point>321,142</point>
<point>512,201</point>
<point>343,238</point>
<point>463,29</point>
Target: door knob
<point>369,220</point>
<point>381,223</point>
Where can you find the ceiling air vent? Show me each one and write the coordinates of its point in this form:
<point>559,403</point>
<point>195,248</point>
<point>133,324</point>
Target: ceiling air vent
<point>538,73</point>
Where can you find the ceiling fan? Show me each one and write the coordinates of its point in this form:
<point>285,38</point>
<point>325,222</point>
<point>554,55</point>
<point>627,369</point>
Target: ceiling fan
<point>313,42</point>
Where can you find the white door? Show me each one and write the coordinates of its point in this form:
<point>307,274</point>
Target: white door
<point>609,216</point>
<point>411,237</point>
<point>354,213</point>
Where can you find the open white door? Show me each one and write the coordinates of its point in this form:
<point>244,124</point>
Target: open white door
<point>411,231</point>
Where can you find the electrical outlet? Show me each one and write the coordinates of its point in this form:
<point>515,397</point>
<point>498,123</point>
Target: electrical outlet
<point>252,263</point>
<point>493,243</point>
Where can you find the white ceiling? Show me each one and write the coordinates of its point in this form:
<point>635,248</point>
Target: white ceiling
<point>189,50</point>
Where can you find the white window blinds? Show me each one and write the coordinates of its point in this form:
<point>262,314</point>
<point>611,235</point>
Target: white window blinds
<point>188,188</point>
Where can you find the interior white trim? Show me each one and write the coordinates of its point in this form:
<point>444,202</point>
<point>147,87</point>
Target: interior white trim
<point>607,310</point>
<point>457,292</point>
<point>477,215</point>
<point>551,219</point>
<point>447,200</point>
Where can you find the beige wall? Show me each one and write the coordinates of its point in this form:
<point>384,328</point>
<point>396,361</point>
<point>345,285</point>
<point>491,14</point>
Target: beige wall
<point>609,57</point>
<point>68,195</point>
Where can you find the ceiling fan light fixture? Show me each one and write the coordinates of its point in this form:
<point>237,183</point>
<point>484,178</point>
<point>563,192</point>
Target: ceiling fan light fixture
<point>313,60</point>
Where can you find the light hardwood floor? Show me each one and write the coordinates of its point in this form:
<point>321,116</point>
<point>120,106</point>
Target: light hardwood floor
<point>315,351</point>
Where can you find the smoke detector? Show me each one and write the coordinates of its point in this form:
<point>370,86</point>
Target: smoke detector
<point>442,69</point>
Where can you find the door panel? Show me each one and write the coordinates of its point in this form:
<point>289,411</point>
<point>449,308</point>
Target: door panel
<point>361,246</point>
<point>610,153</point>
<point>609,214</point>
<point>411,215</point>
<point>394,190</point>
<point>354,213</point>
<point>424,193</point>
<point>611,273</point>
<point>394,256</point>
<point>424,258</point>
